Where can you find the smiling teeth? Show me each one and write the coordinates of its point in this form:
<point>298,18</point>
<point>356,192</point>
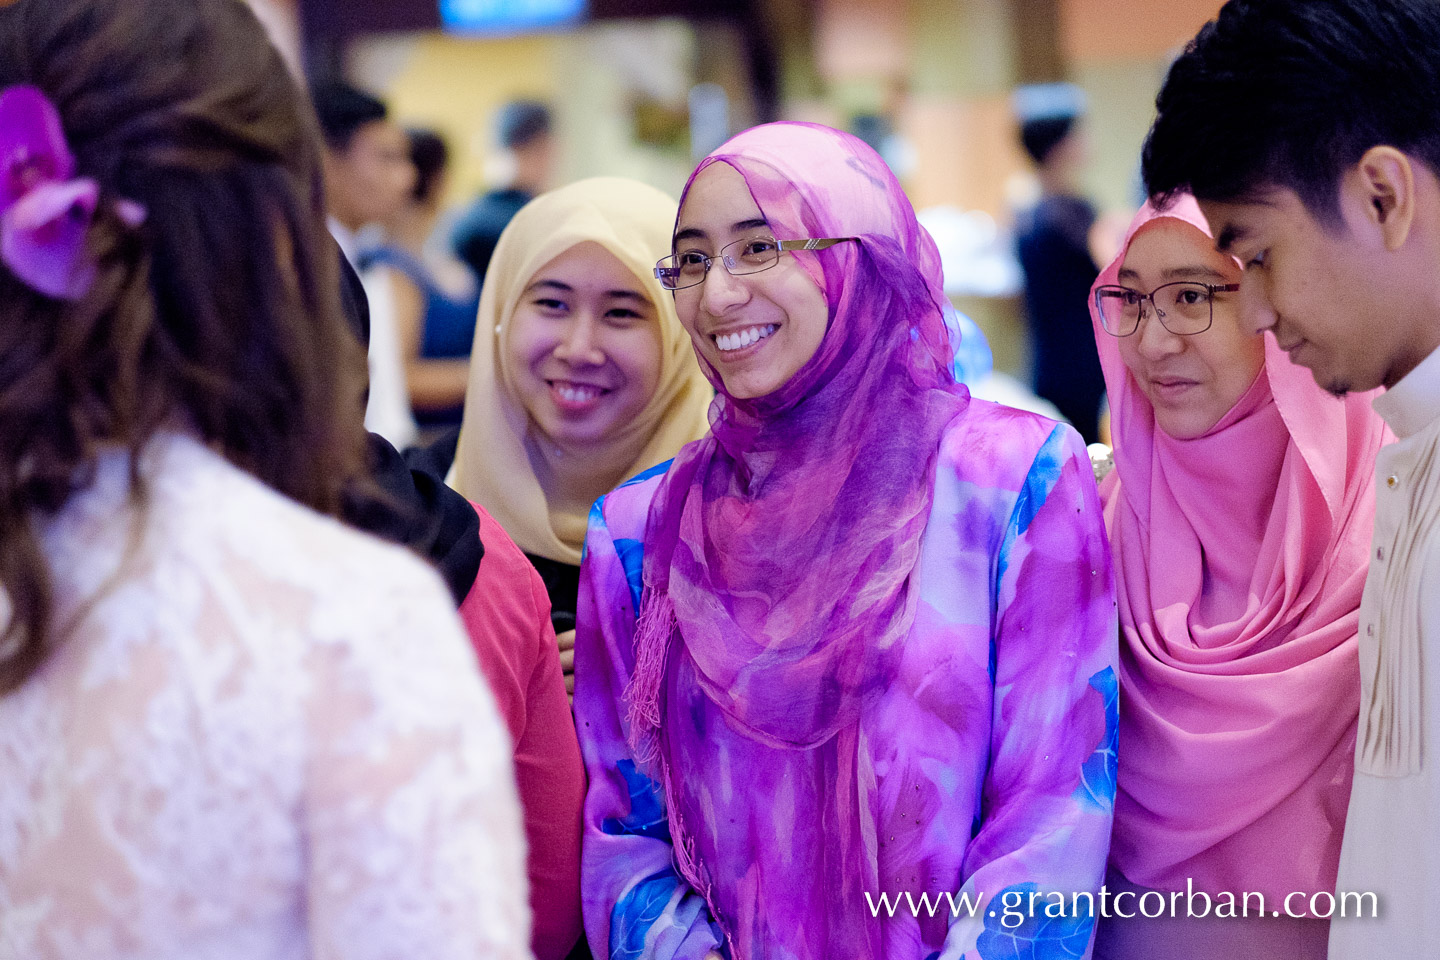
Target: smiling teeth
<point>577,394</point>
<point>735,341</point>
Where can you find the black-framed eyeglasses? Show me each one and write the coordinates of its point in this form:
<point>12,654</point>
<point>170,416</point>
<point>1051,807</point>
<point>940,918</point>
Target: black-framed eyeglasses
<point>741,258</point>
<point>1185,308</point>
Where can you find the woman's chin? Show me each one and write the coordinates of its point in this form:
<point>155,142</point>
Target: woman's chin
<point>751,384</point>
<point>1185,426</point>
<point>595,427</point>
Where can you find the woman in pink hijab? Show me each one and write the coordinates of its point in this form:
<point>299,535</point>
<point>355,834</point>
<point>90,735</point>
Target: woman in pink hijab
<point>1239,513</point>
<point>844,668</point>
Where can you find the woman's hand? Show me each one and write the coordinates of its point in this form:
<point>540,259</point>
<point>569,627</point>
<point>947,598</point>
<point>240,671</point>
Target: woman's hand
<point>567,660</point>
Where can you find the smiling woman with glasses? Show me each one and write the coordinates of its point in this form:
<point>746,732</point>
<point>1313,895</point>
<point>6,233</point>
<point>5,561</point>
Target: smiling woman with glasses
<point>859,640</point>
<point>1239,511</point>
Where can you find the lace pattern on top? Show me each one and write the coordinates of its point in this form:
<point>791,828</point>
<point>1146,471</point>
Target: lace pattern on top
<point>264,737</point>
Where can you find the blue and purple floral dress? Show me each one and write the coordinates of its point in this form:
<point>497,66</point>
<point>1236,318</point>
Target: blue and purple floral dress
<point>987,768</point>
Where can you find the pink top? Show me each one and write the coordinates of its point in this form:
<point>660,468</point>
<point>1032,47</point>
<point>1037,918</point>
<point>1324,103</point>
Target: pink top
<point>507,615</point>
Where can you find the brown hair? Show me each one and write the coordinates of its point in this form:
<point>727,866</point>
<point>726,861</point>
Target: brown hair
<point>220,312</point>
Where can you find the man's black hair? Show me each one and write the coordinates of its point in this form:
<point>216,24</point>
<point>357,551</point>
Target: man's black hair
<point>1040,137</point>
<point>431,156</point>
<point>522,122</point>
<point>1291,93</point>
<point>343,109</point>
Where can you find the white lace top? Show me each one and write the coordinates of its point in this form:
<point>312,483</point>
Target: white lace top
<point>265,738</point>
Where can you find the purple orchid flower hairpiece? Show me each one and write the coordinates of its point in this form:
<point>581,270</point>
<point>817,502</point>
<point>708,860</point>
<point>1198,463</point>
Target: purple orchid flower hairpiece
<point>45,210</point>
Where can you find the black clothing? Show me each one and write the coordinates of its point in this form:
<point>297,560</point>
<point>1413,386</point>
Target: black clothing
<point>437,457</point>
<point>418,511</point>
<point>562,583</point>
<point>1053,242</point>
<point>353,302</point>
<point>479,227</point>
<point>410,506</point>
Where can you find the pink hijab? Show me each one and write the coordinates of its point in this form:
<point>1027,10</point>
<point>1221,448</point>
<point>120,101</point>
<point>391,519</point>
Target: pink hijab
<point>1240,557</point>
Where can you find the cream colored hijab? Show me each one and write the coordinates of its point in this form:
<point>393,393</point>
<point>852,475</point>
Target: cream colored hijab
<point>492,466</point>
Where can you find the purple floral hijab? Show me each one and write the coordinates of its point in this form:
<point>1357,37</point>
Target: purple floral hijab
<point>779,549</point>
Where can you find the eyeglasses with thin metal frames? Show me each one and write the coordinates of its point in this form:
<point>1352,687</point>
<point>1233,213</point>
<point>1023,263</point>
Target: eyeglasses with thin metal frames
<point>668,270</point>
<point>1136,300</point>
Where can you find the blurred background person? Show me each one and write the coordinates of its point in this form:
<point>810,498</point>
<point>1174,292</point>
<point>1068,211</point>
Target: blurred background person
<point>1053,242</point>
<point>369,179</point>
<point>525,133</point>
<point>229,726</point>
<point>581,375</point>
<point>435,296</point>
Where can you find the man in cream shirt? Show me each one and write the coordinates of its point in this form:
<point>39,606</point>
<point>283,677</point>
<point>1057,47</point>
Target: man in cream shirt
<point>368,177</point>
<point>1310,132</point>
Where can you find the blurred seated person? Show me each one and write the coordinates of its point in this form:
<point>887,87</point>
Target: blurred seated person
<point>524,131</point>
<point>368,180</point>
<point>1053,240</point>
<point>435,296</point>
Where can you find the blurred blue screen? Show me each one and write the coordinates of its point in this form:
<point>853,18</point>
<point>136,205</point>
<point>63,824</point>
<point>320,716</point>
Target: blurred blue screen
<point>508,16</point>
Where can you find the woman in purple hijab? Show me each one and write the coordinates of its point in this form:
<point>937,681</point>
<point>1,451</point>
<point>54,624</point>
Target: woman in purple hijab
<point>845,668</point>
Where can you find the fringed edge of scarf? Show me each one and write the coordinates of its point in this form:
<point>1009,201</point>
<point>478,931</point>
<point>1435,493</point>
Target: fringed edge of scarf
<point>654,628</point>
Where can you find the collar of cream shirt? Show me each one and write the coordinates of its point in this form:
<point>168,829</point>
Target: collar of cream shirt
<point>1414,403</point>
<point>349,243</point>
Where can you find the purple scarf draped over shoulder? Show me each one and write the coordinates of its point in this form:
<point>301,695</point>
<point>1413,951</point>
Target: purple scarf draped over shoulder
<point>779,550</point>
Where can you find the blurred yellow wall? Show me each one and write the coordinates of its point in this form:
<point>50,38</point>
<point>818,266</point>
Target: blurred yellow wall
<point>955,60</point>
<point>1131,29</point>
<point>592,77</point>
<point>1121,70</point>
<point>945,68</point>
<point>455,85</point>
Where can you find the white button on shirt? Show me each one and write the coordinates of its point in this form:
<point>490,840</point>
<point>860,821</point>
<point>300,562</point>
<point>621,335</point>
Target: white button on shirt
<point>1392,831</point>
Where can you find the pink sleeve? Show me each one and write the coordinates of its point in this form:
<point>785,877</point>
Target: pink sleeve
<point>507,615</point>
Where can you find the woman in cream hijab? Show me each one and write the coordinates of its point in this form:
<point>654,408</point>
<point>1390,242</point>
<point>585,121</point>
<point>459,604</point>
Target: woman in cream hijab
<point>581,376</point>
